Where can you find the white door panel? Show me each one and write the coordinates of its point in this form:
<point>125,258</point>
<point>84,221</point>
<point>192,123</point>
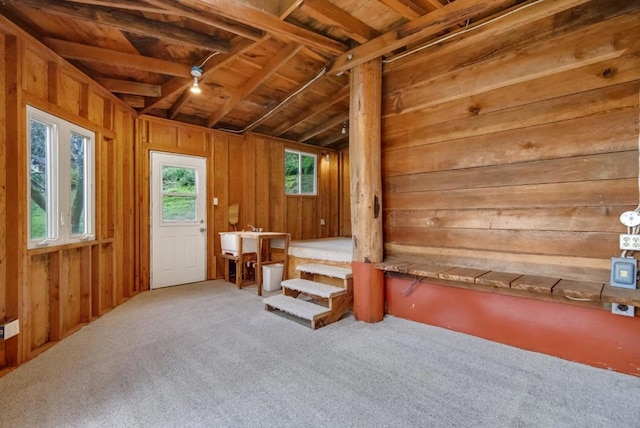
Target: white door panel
<point>178,219</point>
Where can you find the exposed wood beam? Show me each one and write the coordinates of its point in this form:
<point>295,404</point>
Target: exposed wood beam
<point>233,10</point>
<point>238,46</point>
<point>309,113</point>
<point>419,29</point>
<point>332,139</point>
<point>180,102</point>
<point>323,127</point>
<point>258,79</point>
<point>133,101</point>
<point>126,5</point>
<point>287,7</point>
<point>331,15</point>
<point>87,53</point>
<point>405,8</point>
<point>208,19</point>
<point>128,87</point>
<point>126,22</point>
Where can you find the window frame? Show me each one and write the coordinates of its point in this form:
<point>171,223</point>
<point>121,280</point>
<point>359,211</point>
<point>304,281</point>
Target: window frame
<point>58,169</point>
<point>315,173</point>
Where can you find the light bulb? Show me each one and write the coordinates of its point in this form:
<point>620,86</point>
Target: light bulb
<point>195,89</point>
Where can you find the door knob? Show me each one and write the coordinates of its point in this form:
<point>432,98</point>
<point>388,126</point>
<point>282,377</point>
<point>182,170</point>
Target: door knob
<point>202,229</point>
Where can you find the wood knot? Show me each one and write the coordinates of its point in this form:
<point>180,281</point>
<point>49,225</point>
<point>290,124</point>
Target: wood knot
<point>474,110</point>
<point>608,73</point>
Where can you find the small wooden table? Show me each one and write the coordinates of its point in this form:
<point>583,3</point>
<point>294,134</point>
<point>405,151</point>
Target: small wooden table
<point>261,237</point>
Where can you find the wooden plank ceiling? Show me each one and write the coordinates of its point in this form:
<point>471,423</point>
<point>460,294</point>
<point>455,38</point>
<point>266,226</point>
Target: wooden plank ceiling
<point>277,67</point>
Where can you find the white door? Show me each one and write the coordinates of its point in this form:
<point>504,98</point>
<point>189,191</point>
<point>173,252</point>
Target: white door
<point>178,219</point>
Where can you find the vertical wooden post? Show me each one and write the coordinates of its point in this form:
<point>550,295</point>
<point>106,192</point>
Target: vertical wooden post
<point>366,189</point>
<point>16,348</point>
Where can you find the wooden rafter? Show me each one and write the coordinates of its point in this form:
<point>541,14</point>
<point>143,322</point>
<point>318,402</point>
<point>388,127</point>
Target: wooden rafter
<point>128,87</point>
<point>87,53</point>
<point>252,84</point>
<point>336,120</point>
<point>177,84</point>
<point>331,15</point>
<point>127,22</point>
<point>269,23</point>
<point>406,8</point>
<point>309,113</point>
<point>416,30</point>
<point>119,4</point>
<point>334,138</point>
<point>212,20</point>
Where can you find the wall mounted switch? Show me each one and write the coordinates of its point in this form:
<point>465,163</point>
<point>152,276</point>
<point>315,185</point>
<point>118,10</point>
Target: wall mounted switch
<point>8,329</point>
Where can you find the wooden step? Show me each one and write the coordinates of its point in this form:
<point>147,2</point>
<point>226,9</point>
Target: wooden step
<point>313,288</point>
<point>299,308</point>
<point>326,270</point>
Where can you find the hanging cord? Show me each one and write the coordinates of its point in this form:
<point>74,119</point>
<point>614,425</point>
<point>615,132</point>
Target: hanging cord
<point>207,59</point>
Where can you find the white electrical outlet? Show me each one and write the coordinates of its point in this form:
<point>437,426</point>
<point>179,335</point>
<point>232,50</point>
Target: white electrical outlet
<point>625,310</point>
<point>629,242</point>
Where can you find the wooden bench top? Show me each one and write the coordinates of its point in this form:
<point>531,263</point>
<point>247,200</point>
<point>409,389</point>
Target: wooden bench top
<point>562,290</point>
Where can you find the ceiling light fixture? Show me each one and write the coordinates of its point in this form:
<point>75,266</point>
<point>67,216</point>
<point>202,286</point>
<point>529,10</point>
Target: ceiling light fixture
<point>344,128</point>
<point>196,72</point>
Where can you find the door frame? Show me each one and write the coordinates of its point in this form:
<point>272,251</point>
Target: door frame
<point>204,216</point>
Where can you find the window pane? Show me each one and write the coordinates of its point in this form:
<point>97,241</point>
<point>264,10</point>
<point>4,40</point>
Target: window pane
<point>308,174</point>
<point>178,180</point>
<point>178,208</point>
<point>291,166</point>
<point>78,187</point>
<point>39,180</point>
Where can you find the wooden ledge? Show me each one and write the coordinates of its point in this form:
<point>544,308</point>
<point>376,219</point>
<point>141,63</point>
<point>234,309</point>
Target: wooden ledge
<point>594,294</point>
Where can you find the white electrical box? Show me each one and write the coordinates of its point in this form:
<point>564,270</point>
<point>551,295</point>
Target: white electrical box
<point>629,242</point>
<point>625,310</point>
<point>8,329</point>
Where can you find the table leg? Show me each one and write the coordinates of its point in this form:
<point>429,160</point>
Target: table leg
<point>239,265</point>
<point>259,267</point>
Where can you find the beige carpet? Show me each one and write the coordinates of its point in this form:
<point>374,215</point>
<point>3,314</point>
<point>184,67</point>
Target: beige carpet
<point>208,355</point>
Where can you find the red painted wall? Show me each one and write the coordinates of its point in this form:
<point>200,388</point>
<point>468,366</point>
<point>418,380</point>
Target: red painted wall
<point>589,336</point>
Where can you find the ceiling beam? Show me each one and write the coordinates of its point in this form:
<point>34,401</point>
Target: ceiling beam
<point>77,51</point>
<point>252,84</point>
<point>331,15</point>
<point>332,139</point>
<point>287,7</point>
<point>177,84</point>
<point>405,8</point>
<point>120,4</point>
<point>234,10</point>
<point>127,22</point>
<point>341,95</point>
<point>336,120</point>
<point>414,31</point>
<point>171,7</point>
<point>128,87</point>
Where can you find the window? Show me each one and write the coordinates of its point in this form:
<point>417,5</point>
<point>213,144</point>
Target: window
<point>299,173</point>
<point>178,194</point>
<point>61,180</point>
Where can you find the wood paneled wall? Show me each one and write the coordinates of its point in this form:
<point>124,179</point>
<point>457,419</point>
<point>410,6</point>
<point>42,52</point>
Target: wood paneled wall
<point>515,148</point>
<point>54,291</point>
<point>248,170</point>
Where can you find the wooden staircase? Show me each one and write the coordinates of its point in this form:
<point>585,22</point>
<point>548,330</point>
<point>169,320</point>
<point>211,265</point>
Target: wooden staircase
<point>321,295</point>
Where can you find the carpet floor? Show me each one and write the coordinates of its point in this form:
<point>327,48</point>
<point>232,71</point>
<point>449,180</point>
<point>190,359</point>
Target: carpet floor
<point>208,355</point>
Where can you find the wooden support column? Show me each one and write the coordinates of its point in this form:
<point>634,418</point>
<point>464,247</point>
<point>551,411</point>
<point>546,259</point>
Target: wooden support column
<point>16,348</point>
<point>366,189</point>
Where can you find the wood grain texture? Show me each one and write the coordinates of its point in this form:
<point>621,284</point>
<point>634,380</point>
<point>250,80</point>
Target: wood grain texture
<point>497,279</point>
<point>462,274</point>
<point>579,289</point>
<point>534,283</point>
<point>365,160</point>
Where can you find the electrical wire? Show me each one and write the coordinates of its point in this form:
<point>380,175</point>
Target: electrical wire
<point>280,104</point>
<point>208,58</point>
<point>465,30</point>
